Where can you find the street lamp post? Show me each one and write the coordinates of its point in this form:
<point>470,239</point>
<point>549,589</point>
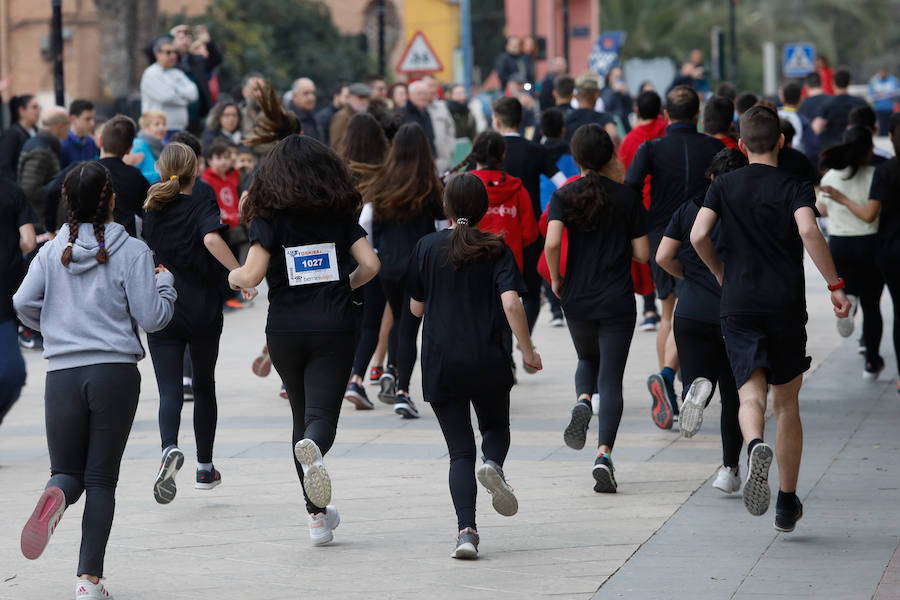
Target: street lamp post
<point>56,44</point>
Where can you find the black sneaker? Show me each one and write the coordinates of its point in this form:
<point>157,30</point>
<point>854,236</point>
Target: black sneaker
<point>388,383</point>
<point>404,406</point>
<point>757,494</point>
<point>786,518</point>
<point>873,369</point>
<point>576,432</point>
<point>356,395</point>
<point>207,480</point>
<point>604,475</point>
<point>466,545</point>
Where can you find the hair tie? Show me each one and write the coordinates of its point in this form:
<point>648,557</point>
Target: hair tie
<point>462,221</point>
<point>101,245</point>
<point>69,245</point>
<point>173,177</point>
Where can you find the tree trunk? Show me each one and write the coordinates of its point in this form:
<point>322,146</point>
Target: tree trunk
<point>116,24</point>
<point>146,32</point>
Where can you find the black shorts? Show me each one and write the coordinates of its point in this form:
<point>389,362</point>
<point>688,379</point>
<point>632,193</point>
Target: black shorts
<point>664,282</point>
<point>776,343</point>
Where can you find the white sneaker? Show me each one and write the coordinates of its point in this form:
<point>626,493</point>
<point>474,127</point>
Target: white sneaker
<point>845,325</point>
<point>727,481</point>
<point>692,407</point>
<point>84,590</point>
<point>557,322</point>
<point>316,481</point>
<point>595,403</point>
<point>322,526</point>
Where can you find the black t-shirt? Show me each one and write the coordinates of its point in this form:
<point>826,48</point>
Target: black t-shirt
<point>583,116</point>
<point>763,252</point>
<point>699,293</point>
<point>837,112</point>
<point>175,235</point>
<point>131,192</point>
<point>465,325</point>
<point>812,106</point>
<point>528,161</point>
<point>310,293</point>
<point>797,164</point>
<point>598,272</point>
<point>395,241</point>
<point>14,212</point>
<point>676,164</point>
<point>886,189</point>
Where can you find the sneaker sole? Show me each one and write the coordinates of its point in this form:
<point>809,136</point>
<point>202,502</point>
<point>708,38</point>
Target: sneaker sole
<point>465,551</point>
<point>207,486</point>
<point>164,489</point>
<point>845,327</point>
<point>502,496</point>
<point>605,482</point>
<point>316,482</point>
<point>262,365</point>
<point>647,327</point>
<point>757,494</point>
<point>388,391</point>
<point>660,410</point>
<point>405,410</point>
<point>691,417</point>
<point>39,527</point>
<point>359,401</point>
<point>575,434</point>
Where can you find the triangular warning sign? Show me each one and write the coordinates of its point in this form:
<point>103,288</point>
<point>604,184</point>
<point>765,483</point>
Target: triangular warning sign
<point>798,61</point>
<point>419,57</point>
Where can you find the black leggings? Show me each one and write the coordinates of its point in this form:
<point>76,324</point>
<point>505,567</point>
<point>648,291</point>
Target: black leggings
<point>168,364</point>
<point>602,346</point>
<point>314,369</point>
<point>701,350</point>
<point>889,269</point>
<point>456,424</point>
<point>373,312</point>
<point>88,412</point>
<point>856,260</point>
<point>402,348</point>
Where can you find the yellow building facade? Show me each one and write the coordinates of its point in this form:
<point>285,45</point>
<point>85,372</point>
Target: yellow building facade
<point>439,21</point>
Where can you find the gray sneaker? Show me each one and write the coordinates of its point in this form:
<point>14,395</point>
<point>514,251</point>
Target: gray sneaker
<point>576,431</point>
<point>466,545</point>
<point>164,488</point>
<point>692,409</point>
<point>757,494</point>
<point>490,474</point>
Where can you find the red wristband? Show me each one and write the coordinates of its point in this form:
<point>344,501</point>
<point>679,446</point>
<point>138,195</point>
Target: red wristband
<point>838,286</point>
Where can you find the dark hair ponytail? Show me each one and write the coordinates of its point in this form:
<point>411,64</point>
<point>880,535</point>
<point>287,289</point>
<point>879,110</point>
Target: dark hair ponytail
<point>487,149</point>
<point>852,153</point>
<point>87,191</point>
<point>466,202</point>
<point>592,149</point>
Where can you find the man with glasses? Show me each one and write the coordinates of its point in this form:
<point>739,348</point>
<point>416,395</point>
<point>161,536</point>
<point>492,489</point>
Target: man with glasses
<point>166,88</point>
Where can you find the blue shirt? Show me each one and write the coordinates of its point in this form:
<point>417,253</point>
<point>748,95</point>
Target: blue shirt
<point>74,150</point>
<point>887,88</point>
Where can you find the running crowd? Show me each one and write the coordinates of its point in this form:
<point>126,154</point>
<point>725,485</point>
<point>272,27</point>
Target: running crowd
<point>363,229</point>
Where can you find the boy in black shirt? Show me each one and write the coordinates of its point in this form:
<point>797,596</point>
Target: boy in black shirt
<point>767,218</point>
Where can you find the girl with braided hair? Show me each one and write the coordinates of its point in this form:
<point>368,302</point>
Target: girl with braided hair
<point>184,233</point>
<point>86,291</point>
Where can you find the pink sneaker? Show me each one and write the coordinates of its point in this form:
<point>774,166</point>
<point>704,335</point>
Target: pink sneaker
<point>39,528</point>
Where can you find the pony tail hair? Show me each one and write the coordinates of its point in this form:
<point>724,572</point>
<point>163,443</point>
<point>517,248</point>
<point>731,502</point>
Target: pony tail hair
<point>274,122</point>
<point>161,193</point>
<point>463,163</point>
<point>100,221</point>
<point>66,257</point>
<point>470,245</point>
<point>588,207</point>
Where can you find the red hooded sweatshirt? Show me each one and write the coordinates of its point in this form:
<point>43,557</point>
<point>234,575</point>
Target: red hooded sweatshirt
<point>509,212</point>
<point>226,193</point>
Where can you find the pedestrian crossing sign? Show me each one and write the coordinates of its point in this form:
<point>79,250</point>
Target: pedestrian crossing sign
<point>799,59</point>
<point>419,57</point>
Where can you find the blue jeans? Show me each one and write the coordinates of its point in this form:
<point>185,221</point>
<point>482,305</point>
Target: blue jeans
<point>12,367</point>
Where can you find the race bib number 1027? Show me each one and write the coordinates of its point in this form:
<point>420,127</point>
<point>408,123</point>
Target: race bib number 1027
<point>316,263</point>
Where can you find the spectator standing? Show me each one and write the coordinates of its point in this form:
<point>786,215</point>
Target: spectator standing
<point>399,95</point>
<point>303,104</point>
<point>166,88</point>
<point>339,95</point>
<point>529,55</point>
<point>39,160</point>
<point>701,81</point>
<point>198,66</point>
<point>25,112</point>
<point>378,86</point>
<point>149,143</point>
<point>463,119</point>
<point>512,62</point>
<point>79,145</point>
<point>416,109</point>
<point>358,96</point>
<point>827,74</point>
<point>558,67</point>
<point>224,123</point>
<point>831,120</point>
<point>442,122</point>
<point>617,102</point>
<point>884,89</point>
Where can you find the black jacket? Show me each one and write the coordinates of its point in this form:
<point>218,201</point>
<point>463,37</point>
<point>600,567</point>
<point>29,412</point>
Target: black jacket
<point>323,122</point>
<point>528,161</point>
<point>11,143</point>
<point>199,68</point>
<point>411,114</point>
<point>38,164</point>
<point>308,121</point>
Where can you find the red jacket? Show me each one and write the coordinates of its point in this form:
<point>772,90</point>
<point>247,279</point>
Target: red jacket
<point>509,212</point>
<point>226,193</point>
<point>633,141</point>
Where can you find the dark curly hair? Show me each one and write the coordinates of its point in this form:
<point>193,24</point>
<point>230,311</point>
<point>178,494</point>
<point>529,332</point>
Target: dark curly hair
<point>274,122</point>
<point>87,191</point>
<point>304,177</point>
<point>586,204</point>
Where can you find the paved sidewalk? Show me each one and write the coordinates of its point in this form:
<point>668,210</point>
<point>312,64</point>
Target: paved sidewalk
<point>248,537</point>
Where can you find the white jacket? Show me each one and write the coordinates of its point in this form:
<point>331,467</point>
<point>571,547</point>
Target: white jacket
<point>444,134</point>
<point>170,91</point>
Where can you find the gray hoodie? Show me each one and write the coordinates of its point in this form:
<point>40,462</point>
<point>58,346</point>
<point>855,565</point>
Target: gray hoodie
<point>88,313</point>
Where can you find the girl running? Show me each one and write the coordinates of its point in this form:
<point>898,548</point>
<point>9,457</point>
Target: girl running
<point>704,362</point>
<point>184,234</point>
<point>606,226</point>
<point>364,148</point>
<point>467,283</point>
<point>85,290</point>
<point>854,241</point>
<point>304,235</point>
<point>406,200</point>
